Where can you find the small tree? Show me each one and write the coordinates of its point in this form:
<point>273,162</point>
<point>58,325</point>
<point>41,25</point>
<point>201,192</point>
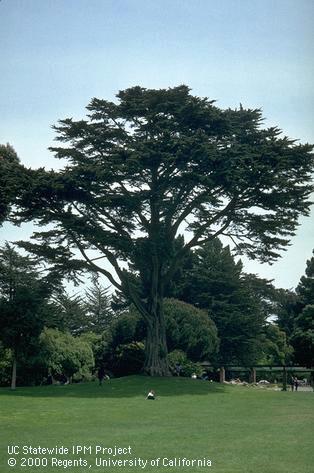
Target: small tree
<point>158,161</point>
<point>72,313</point>
<point>97,304</point>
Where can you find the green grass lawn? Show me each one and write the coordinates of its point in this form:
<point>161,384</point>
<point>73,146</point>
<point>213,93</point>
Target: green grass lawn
<point>240,429</point>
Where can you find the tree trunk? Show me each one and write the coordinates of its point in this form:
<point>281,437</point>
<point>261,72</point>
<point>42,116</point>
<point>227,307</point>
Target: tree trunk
<point>284,379</point>
<point>13,379</point>
<point>156,362</point>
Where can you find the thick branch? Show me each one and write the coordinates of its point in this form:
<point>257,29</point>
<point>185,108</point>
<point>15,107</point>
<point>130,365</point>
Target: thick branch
<point>139,304</point>
<point>93,265</point>
<point>197,241</point>
<point>187,211</point>
<point>196,238</point>
<point>142,218</point>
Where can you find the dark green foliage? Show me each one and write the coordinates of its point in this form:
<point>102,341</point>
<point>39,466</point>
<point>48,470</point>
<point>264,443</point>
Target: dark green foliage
<point>187,367</point>
<point>296,317</point>
<point>128,359</point>
<point>71,312</point>
<point>187,329</point>
<point>96,343</point>
<point>63,354</point>
<point>5,366</point>
<point>127,328</point>
<point>305,289</point>
<point>140,169</point>
<point>190,330</point>
<point>121,346</point>
<point>81,313</point>
<point>25,289</point>
<point>97,305</point>
<point>8,179</point>
<point>264,293</point>
<point>275,349</point>
<point>287,306</point>
<point>215,283</point>
<point>302,338</point>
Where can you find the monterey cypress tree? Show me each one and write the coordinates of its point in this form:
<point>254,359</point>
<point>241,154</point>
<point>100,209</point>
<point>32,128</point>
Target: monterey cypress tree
<point>149,165</point>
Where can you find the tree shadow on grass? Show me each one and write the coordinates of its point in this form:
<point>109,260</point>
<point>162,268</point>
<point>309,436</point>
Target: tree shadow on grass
<point>126,387</point>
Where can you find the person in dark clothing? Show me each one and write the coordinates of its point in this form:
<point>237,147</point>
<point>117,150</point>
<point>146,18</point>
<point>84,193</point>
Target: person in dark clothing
<point>49,379</point>
<point>101,374</point>
<point>296,383</point>
<point>178,369</point>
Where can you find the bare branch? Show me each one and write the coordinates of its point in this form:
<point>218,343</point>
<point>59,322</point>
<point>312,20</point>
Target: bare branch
<point>195,241</point>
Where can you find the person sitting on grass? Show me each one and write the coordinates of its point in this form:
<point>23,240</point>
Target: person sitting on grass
<point>151,395</point>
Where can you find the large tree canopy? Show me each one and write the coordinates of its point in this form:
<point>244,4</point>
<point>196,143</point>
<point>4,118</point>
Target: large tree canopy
<point>155,162</point>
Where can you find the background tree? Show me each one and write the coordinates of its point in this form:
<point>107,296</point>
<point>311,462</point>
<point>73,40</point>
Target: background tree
<point>264,293</point>
<point>295,315</point>
<point>8,167</point>
<point>24,292</point>
<point>97,304</point>
<point>275,349</point>
<point>214,282</point>
<point>142,169</point>
<point>305,288</point>
<point>5,366</point>
<point>302,337</point>
<point>71,312</point>
<point>287,307</point>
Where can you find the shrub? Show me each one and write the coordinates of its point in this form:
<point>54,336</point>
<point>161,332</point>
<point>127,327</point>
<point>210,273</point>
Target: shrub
<point>66,355</point>
<point>128,359</point>
<point>188,367</point>
<point>190,329</point>
<point>5,366</point>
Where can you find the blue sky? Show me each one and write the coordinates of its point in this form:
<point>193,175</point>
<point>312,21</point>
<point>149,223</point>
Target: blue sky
<point>58,54</point>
